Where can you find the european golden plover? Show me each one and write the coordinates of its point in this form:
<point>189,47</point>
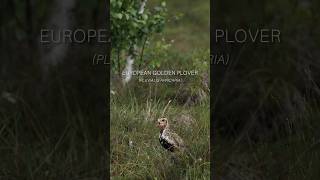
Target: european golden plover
<point>167,138</point>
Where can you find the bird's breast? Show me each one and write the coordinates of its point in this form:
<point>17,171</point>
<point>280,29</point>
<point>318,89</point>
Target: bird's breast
<point>164,143</point>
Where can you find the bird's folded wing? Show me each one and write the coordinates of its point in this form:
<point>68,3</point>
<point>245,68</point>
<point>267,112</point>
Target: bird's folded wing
<point>177,139</point>
<point>169,139</point>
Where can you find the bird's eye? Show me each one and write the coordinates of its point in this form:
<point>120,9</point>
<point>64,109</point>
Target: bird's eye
<point>162,120</point>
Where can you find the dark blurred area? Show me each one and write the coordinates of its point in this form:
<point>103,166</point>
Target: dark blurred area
<point>266,99</point>
<point>53,110</point>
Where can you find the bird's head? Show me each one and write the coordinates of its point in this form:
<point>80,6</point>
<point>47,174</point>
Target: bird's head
<point>162,123</point>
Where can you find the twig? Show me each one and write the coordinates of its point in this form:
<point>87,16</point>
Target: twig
<point>165,108</point>
<point>142,52</point>
<point>143,4</point>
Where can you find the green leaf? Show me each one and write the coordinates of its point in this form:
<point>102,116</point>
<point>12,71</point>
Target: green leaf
<point>134,24</point>
<point>145,17</point>
<point>118,15</point>
<point>127,16</point>
<point>119,3</point>
<point>145,30</point>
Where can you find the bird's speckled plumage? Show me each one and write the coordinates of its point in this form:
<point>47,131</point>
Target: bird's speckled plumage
<point>169,139</point>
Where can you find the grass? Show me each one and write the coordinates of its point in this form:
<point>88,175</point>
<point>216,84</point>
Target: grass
<point>60,142</point>
<point>135,150</point>
<point>292,158</point>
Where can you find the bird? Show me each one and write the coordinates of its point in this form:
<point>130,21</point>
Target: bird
<point>168,139</point>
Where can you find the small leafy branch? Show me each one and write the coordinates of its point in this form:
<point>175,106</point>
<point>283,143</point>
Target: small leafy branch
<point>132,24</point>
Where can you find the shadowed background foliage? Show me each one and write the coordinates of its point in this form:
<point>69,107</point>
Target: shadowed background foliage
<point>267,99</point>
<point>52,98</point>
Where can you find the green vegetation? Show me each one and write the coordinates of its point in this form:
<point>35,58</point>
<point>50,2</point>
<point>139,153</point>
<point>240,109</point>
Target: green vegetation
<point>267,112</point>
<point>132,24</point>
<point>53,124</point>
<point>135,149</point>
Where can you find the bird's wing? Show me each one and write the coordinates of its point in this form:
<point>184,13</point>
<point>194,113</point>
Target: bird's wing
<point>176,139</point>
<point>168,137</point>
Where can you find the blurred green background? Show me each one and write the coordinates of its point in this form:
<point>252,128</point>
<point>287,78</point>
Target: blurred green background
<point>52,98</point>
<point>267,109</point>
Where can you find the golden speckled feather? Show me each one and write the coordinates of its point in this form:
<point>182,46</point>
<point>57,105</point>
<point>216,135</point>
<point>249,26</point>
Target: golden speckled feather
<point>169,139</point>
